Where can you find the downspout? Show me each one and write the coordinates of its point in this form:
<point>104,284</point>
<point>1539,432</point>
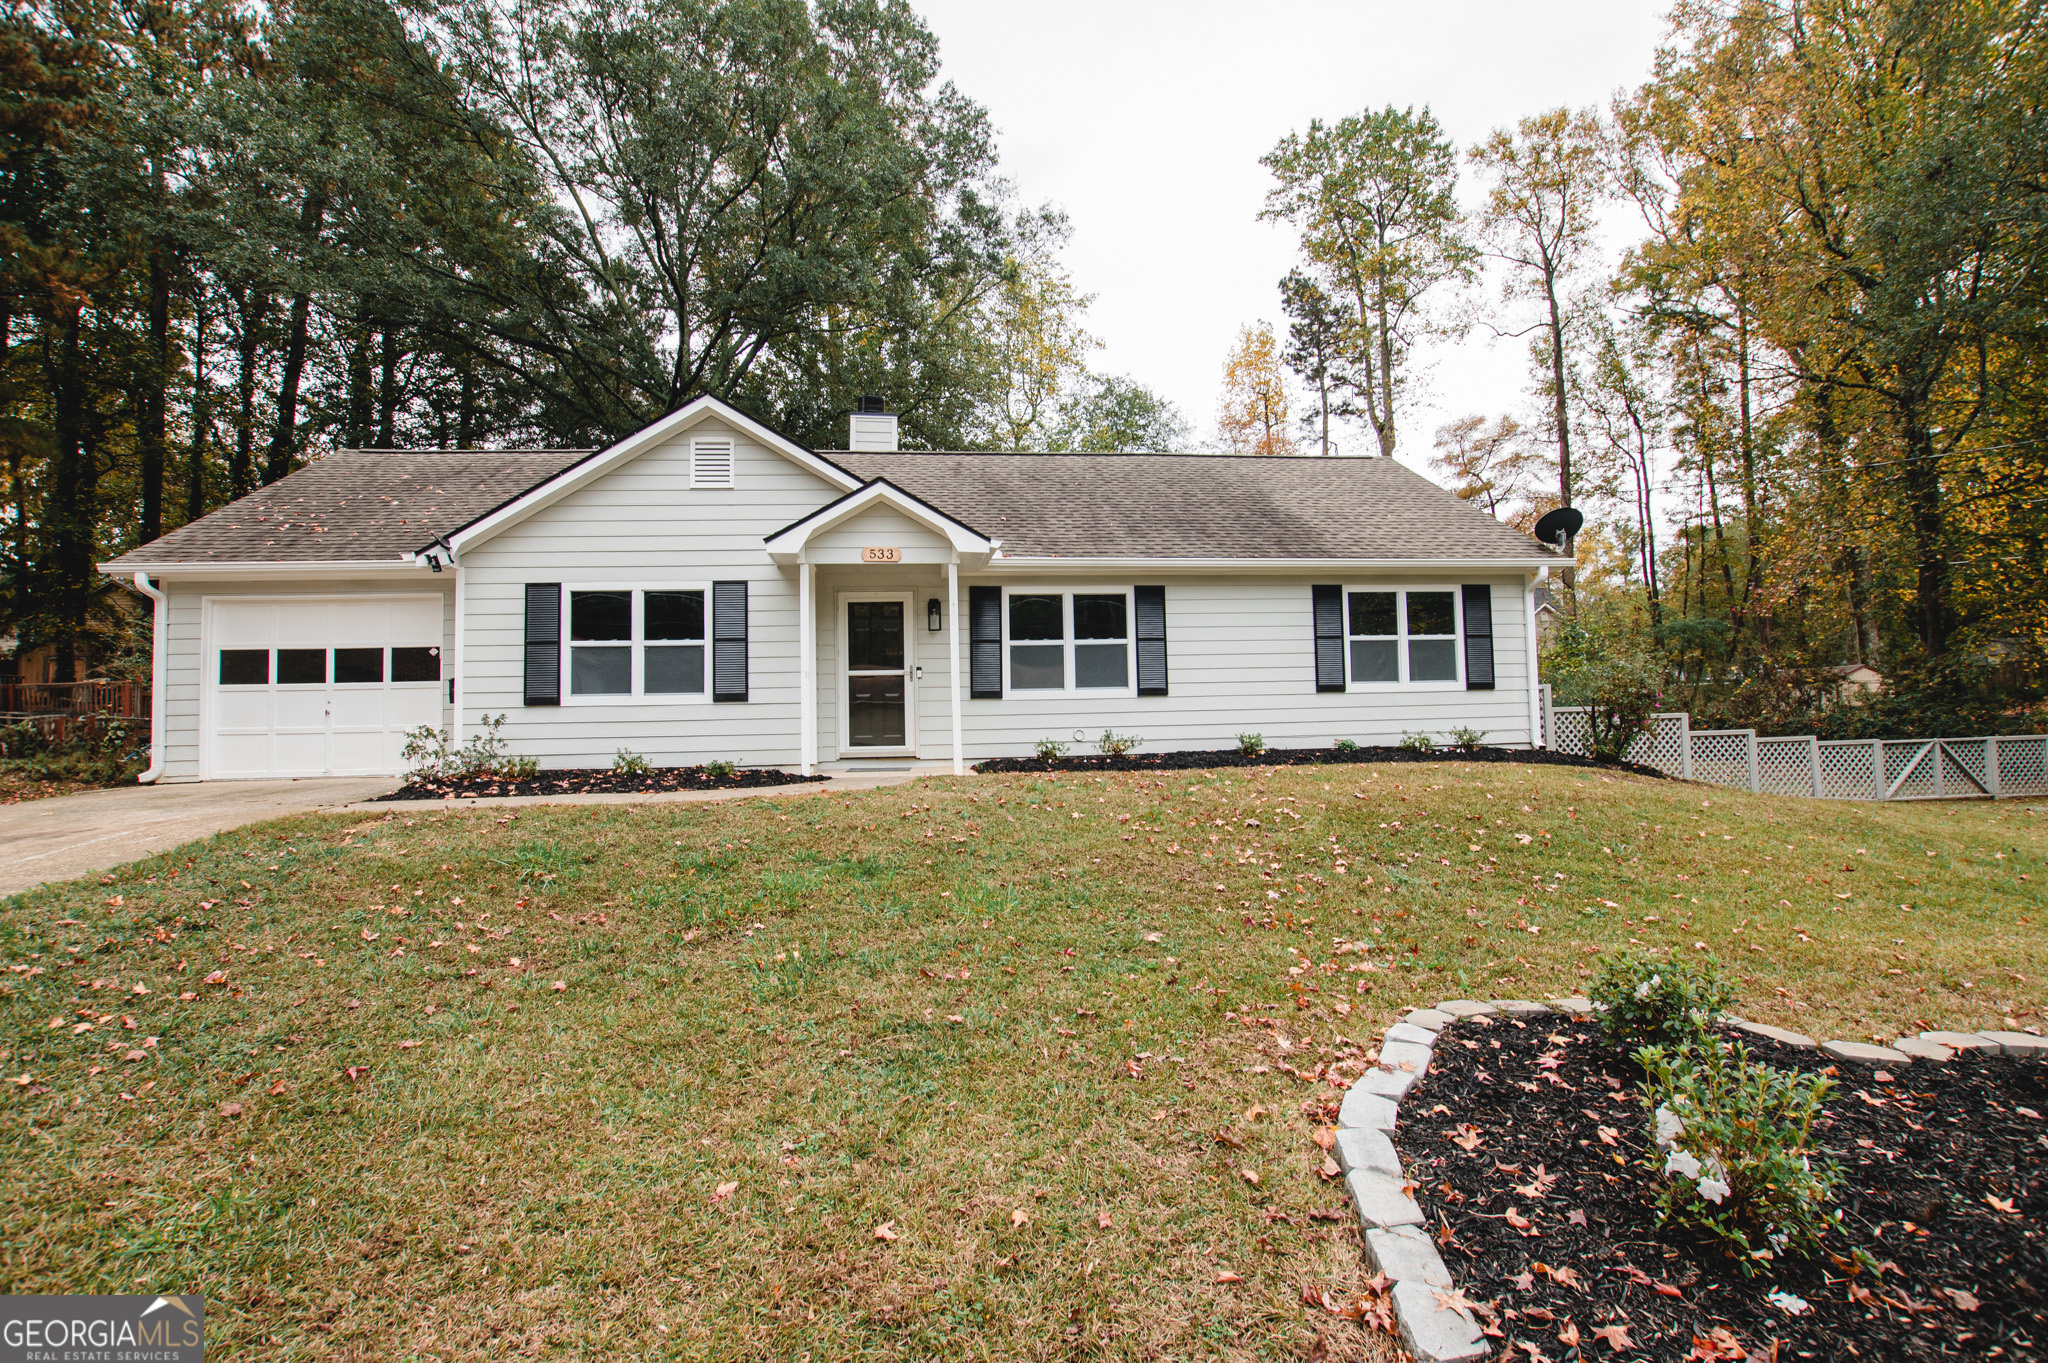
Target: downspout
<point>159,634</point>
<point>1536,734</point>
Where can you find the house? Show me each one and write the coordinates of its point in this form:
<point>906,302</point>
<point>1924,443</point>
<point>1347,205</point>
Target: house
<point>1548,616</point>
<point>1854,681</point>
<point>709,589</point>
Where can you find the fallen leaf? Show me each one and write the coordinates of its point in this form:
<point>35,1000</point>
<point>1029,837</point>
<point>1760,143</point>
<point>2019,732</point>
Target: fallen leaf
<point>886,1231</point>
<point>1103,1221</point>
<point>407,1045</point>
<point>1453,1300</point>
<point>230,1109</point>
<point>1609,1136</point>
<point>2003,1204</point>
<point>725,1190</point>
<point>1518,1221</point>
<point>1325,1136</point>
<point>1466,1137</point>
<point>559,985</point>
<point>1615,1337</point>
<point>1964,1301</point>
<point>217,977</point>
<point>279,1087</point>
<point>1226,1276</point>
<point>1020,1218</point>
<point>1576,1217</point>
<point>1569,1335</point>
<point>1252,1176</point>
<point>1255,1113</point>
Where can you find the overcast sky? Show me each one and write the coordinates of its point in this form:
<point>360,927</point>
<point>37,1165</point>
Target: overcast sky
<point>1145,122</point>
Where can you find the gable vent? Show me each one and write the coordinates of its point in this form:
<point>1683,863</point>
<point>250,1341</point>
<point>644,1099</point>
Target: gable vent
<point>711,463</point>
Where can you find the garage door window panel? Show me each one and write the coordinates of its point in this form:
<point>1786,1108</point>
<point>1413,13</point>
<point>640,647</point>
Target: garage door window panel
<point>245,667</point>
<point>358,667</point>
<point>302,667</point>
<point>415,665</point>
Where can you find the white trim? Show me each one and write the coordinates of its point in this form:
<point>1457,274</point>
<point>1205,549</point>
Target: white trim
<point>456,687</point>
<point>1067,592</point>
<point>1536,734</point>
<point>159,644</point>
<point>953,659</point>
<point>378,567</point>
<point>636,645</point>
<point>786,544</point>
<point>807,663</point>
<point>910,665</point>
<point>1402,638</point>
<point>675,423</point>
<point>1015,563</point>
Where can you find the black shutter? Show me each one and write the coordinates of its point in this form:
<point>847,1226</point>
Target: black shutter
<point>543,643</point>
<point>1478,637</point>
<point>985,643</point>
<point>1151,639</point>
<point>1329,614</point>
<point>728,641</point>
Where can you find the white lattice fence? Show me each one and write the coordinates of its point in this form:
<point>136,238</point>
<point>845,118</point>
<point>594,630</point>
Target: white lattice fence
<point>2022,765</point>
<point>1848,769</point>
<point>1833,769</point>
<point>1788,766</point>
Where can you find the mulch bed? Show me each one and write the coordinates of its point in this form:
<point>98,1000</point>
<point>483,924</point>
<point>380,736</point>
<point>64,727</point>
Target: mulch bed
<point>1932,1157</point>
<point>1304,757</point>
<point>599,781</point>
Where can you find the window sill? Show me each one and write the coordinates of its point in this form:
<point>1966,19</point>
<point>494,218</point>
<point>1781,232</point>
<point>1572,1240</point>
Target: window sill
<point>622,698</point>
<point>1383,688</point>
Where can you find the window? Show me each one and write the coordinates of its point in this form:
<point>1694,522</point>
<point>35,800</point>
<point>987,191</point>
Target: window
<point>626,642</point>
<point>358,667</point>
<point>245,667</point>
<point>308,666</point>
<point>415,664</point>
<point>710,463</point>
<point>1061,641</point>
<point>1406,635</point>
<point>302,667</point>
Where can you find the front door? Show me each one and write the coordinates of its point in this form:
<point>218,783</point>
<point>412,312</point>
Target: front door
<point>877,676</point>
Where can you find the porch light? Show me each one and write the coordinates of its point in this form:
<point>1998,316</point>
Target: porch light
<point>931,615</point>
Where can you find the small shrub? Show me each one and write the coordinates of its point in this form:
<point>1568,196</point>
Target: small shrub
<point>1346,745</point>
<point>721,770</point>
<point>1417,742</point>
<point>1469,739</point>
<point>1642,1001</point>
<point>1049,749</point>
<point>626,762</point>
<point>430,757</point>
<point>1251,745</point>
<point>1729,1141</point>
<point>1113,744</point>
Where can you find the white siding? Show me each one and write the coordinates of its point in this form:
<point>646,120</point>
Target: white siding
<point>185,658</point>
<point>643,523</point>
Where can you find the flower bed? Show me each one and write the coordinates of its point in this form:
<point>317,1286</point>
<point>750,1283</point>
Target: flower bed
<point>596,781</point>
<point>1303,757</point>
<point>1528,1143</point>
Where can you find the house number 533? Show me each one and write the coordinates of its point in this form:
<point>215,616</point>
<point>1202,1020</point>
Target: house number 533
<point>876,555</point>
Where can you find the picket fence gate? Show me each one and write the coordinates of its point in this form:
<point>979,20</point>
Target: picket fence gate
<point>1824,768</point>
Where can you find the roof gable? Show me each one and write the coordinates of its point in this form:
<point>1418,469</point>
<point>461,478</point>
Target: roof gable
<point>787,544</point>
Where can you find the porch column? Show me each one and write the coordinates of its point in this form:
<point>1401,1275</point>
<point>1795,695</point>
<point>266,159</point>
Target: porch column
<point>807,663</point>
<point>953,656</point>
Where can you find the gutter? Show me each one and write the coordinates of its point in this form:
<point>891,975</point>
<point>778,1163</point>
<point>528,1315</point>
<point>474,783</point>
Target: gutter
<point>159,639</point>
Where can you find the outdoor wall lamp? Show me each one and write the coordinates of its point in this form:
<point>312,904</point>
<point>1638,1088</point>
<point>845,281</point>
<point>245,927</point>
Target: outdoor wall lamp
<point>931,615</point>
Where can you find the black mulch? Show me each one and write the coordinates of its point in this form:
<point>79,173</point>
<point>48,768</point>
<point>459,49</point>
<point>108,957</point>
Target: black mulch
<point>1548,1217</point>
<point>1303,757</point>
<point>598,781</point>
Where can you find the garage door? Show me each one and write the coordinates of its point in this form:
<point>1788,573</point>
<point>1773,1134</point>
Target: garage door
<point>320,687</point>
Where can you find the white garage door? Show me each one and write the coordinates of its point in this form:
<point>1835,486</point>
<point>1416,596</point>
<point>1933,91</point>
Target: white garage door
<point>313,687</point>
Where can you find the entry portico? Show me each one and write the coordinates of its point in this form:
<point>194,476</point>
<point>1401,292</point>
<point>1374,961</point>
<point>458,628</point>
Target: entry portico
<point>881,545</point>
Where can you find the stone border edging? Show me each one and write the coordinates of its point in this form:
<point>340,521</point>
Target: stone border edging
<point>1397,1240</point>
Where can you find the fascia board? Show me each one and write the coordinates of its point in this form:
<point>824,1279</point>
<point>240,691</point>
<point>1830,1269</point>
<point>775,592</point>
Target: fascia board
<point>377,567</point>
<point>791,540</point>
<point>1048,563</point>
<point>675,423</point>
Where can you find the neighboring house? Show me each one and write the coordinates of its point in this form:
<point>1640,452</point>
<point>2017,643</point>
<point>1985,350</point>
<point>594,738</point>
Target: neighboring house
<point>707,588</point>
<point>1853,681</point>
<point>1548,616</point>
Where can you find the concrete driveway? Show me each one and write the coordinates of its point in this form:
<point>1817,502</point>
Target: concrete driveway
<point>75,835</point>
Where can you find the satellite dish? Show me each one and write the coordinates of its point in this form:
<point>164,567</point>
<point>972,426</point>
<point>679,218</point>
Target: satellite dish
<point>1560,525</point>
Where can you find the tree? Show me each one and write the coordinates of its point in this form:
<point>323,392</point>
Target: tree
<point>1112,414</point>
<point>1487,464</point>
<point>1253,419</point>
<point>1374,198</point>
<point>1039,349</point>
<point>1315,351</point>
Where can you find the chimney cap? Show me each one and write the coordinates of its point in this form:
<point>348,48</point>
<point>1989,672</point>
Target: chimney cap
<point>872,404</point>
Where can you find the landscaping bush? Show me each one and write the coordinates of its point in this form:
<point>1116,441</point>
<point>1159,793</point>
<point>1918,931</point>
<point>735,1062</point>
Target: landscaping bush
<point>1048,749</point>
<point>1610,673</point>
<point>1347,745</point>
<point>1730,1142</point>
<point>1251,745</point>
<point>1469,738</point>
<point>1113,744</point>
<point>1415,742</point>
<point>1643,1001</point>
<point>96,750</point>
<point>430,757</point>
<point>629,763</point>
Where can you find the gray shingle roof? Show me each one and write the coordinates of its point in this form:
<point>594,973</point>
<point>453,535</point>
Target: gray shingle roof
<point>356,506</point>
<point>1199,506</point>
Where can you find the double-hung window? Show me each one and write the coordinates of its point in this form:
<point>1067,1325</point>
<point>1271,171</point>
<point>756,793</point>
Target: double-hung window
<point>628,642</point>
<point>1069,641</point>
<point>1406,635</point>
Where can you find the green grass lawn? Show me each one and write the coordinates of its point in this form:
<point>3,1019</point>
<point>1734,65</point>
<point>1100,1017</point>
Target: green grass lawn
<point>655,1080</point>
